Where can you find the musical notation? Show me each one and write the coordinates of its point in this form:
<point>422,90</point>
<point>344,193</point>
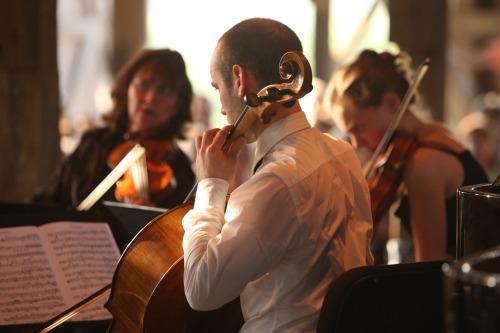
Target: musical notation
<point>44,270</point>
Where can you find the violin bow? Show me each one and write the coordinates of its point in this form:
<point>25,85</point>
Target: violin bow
<point>417,78</point>
<point>128,161</point>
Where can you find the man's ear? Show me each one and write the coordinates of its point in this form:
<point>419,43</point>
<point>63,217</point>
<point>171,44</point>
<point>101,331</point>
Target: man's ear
<point>391,101</point>
<point>241,77</point>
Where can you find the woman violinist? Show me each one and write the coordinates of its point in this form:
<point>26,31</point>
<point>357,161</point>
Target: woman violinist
<point>363,98</point>
<point>151,103</point>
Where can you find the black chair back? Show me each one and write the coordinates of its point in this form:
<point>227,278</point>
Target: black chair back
<point>385,298</point>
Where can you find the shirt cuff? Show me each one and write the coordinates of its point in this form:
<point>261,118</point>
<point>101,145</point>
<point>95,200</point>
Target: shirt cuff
<point>211,192</point>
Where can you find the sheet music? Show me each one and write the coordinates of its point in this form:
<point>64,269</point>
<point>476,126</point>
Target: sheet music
<point>87,259</point>
<point>45,270</point>
<point>29,291</point>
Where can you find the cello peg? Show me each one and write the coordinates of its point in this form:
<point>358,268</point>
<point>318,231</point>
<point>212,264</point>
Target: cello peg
<point>252,100</point>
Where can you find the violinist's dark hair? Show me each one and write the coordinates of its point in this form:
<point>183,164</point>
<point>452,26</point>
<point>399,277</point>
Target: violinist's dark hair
<point>258,45</point>
<point>372,74</point>
<point>167,65</point>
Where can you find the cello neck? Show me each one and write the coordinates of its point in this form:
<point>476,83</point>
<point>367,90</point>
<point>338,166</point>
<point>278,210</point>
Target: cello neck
<point>241,126</point>
<point>261,107</point>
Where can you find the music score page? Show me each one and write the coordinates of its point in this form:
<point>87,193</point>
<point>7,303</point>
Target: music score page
<point>47,269</point>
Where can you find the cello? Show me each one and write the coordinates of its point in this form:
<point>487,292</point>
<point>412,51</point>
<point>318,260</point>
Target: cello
<point>147,293</point>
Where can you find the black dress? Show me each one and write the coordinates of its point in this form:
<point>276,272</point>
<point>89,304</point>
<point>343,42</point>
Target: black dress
<point>80,173</point>
<point>473,174</point>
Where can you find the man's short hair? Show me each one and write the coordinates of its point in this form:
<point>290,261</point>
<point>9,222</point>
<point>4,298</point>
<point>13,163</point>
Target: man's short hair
<point>258,45</point>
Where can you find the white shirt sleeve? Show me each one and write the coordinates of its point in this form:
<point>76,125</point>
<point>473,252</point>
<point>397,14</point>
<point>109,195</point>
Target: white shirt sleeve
<point>222,256</point>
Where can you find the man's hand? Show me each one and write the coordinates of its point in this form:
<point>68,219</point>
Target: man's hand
<point>211,160</point>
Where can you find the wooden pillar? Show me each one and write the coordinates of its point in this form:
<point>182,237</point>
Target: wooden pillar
<point>129,31</point>
<point>419,27</point>
<point>324,65</point>
<point>29,96</point>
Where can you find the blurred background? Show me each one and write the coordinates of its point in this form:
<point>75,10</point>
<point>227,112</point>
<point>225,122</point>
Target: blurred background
<point>58,59</point>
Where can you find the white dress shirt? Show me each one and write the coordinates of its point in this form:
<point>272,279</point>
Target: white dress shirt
<point>299,222</point>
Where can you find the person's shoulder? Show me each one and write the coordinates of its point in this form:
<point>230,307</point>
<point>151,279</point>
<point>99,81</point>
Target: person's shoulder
<point>101,138</point>
<point>431,166</point>
<point>97,132</point>
<point>335,145</point>
<point>300,155</point>
<point>100,135</point>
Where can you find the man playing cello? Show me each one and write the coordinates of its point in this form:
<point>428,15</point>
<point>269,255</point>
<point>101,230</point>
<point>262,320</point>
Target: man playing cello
<point>300,221</point>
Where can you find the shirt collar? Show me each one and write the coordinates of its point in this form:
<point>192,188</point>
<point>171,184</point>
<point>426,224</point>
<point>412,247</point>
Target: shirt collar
<point>277,132</point>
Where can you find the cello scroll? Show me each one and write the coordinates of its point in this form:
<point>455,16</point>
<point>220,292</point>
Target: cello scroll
<point>263,106</point>
<point>293,66</point>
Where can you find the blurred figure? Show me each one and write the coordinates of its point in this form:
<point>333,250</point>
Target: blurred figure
<point>151,105</point>
<point>200,121</point>
<point>363,97</point>
<point>480,133</point>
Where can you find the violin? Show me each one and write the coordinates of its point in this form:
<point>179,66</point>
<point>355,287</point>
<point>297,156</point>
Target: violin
<point>385,183</point>
<point>152,185</point>
<point>385,177</point>
<point>147,291</point>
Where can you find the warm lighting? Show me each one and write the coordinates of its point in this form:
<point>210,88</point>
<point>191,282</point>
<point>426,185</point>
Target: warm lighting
<point>194,33</point>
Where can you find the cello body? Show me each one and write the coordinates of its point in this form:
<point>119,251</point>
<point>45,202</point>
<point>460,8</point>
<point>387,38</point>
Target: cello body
<point>148,290</point>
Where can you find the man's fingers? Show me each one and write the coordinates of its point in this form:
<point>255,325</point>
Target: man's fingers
<point>236,147</point>
<point>197,142</point>
<point>211,160</point>
<point>208,137</point>
<point>221,136</point>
